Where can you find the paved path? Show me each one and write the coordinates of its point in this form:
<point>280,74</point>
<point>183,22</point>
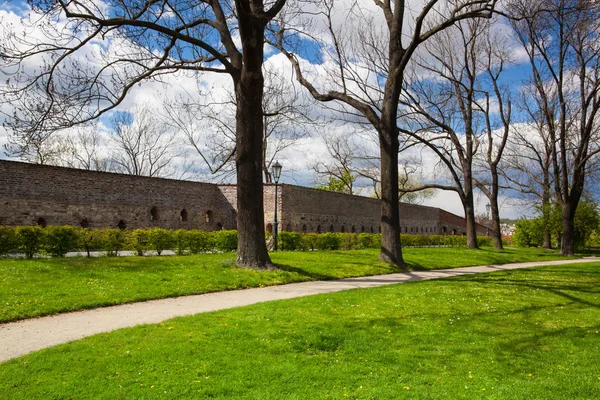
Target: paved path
<point>22,337</point>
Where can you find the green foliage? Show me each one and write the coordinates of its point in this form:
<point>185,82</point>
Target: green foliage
<point>587,221</point>
<point>309,241</point>
<point>365,240</point>
<point>348,241</point>
<point>113,241</point>
<point>138,241</point>
<point>200,241</point>
<point>483,241</point>
<point>8,240</point>
<point>455,241</point>
<point>29,239</point>
<point>60,239</point>
<point>181,241</point>
<point>339,185</point>
<point>160,239</point>
<point>290,241</point>
<point>436,240</point>
<point>225,240</point>
<point>328,241</point>
<point>90,239</point>
<point>530,232</point>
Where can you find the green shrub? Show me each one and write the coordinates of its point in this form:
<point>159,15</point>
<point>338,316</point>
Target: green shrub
<point>348,241</point>
<point>364,241</point>
<point>60,240</point>
<point>309,240</point>
<point>113,241</point>
<point>225,240</point>
<point>289,241</point>
<point>436,240</point>
<point>89,239</point>
<point>328,241</point>
<point>376,238</point>
<point>407,240</point>
<point>181,241</point>
<point>200,241</point>
<point>8,240</point>
<point>160,239</point>
<point>29,239</point>
<point>484,241</point>
<point>455,241</point>
<point>138,241</point>
<point>421,241</point>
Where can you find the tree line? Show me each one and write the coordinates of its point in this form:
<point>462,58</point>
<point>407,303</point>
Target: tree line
<point>441,79</point>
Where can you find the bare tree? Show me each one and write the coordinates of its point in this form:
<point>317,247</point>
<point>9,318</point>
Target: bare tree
<point>142,144</point>
<point>368,56</point>
<point>92,54</point>
<point>561,39</point>
<point>85,148</point>
<point>451,112</point>
<point>208,126</point>
<point>340,167</point>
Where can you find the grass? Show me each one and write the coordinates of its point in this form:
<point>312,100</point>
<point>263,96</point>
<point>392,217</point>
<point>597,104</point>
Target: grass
<point>523,334</point>
<point>30,288</point>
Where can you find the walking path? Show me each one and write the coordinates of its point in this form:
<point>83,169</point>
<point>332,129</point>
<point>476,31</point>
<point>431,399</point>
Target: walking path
<point>22,337</point>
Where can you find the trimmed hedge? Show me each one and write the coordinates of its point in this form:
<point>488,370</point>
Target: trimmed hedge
<point>58,240</point>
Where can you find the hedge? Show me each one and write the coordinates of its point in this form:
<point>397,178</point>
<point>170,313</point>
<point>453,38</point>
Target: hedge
<point>58,240</point>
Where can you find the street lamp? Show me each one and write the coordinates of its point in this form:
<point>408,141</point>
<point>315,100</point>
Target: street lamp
<point>276,174</point>
<point>488,207</point>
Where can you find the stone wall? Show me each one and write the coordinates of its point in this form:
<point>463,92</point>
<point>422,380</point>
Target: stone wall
<point>44,195</point>
<point>34,194</point>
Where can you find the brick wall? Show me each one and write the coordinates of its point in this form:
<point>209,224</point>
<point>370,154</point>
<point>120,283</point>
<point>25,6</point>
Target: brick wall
<point>63,196</point>
<point>31,194</point>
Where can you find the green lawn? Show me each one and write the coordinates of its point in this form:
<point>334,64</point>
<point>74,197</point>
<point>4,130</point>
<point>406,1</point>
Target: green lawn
<point>30,288</point>
<point>523,334</point>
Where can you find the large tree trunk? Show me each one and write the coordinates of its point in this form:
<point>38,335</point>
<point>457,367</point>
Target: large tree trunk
<point>497,231</point>
<point>252,249</point>
<point>391,249</point>
<point>469,207</point>
<point>567,247</point>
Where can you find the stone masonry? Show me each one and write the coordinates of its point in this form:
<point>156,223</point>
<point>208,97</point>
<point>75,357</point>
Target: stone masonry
<point>46,195</point>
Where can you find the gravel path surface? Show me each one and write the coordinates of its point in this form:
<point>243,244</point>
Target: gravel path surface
<point>22,337</point>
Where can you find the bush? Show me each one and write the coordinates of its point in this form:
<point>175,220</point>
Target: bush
<point>225,240</point>
<point>138,240</point>
<point>181,241</point>
<point>421,241</point>
<point>113,241</point>
<point>455,241</point>
<point>309,241</point>
<point>365,241</point>
<point>348,241</point>
<point>8,240</point>
<point>484,241</point>
<point>290,240</point>
<point>29,239</point>
<point>407,240</point>
<point>160,239</point>
<point>60,240</point>
<point>200,241</point>
<point>89,239</point>
<point>328,241</point>
<point>436,240</point>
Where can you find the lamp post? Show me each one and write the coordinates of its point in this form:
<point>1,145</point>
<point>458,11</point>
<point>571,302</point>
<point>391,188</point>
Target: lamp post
<point>276,174</point>
<point>488,207</point>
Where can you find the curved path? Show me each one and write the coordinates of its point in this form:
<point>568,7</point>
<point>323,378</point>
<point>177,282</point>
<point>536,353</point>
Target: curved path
<point>22,337</point>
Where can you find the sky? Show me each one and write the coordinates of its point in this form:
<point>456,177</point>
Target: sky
<point>297,160</point>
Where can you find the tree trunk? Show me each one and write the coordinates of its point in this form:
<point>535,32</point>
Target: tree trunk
<point>469,206</point>
<point>252,249</point>
<point>567,247</point>
<point>471,223</point>
<point>497,231</point>
<point>391,249</point>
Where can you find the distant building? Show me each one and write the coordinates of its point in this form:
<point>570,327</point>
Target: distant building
<point>33,194</point>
